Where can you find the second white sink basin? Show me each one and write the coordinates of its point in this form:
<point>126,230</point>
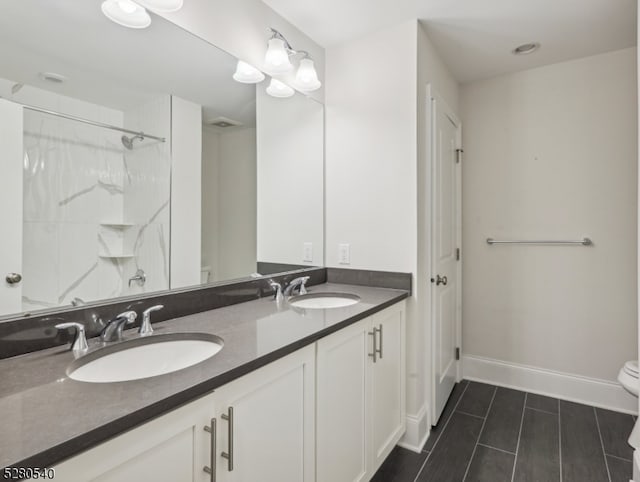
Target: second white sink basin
<point>321,301</point>
<point>145,357</point>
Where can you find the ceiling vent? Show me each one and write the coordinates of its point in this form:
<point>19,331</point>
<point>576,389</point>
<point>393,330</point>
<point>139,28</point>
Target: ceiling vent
<point>224,122</point>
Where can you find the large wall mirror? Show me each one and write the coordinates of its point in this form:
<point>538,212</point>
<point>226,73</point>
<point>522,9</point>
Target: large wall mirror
<point>92,127</point>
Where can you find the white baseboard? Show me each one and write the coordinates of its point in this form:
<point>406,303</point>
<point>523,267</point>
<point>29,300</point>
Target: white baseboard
<point>574,388</point>
<point>417,431</point>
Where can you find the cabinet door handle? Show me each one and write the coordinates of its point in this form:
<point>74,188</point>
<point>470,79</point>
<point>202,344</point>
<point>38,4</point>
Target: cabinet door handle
<point>214,451</point>
<point>379,349</point>
<point>229,456</point>
<point>373,355</point>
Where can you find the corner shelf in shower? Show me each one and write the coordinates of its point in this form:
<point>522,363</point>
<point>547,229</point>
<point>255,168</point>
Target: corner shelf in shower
<point>117,225</point>
<point>117,256</point>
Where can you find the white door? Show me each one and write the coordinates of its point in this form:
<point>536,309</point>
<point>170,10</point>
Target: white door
<point>266,423</point>
<point>388,383</point>
<point>11,147</point>
<point>445,238</point>
<point>342,385</point>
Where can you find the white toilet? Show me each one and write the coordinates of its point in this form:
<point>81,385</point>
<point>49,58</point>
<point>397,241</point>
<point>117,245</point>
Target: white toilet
<point>628,378</point>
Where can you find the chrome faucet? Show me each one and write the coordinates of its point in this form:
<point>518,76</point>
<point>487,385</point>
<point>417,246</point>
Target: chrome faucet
<point>113,330</point>
<point>297,284</point>
<point>145,327</point>
<point>140,277</point>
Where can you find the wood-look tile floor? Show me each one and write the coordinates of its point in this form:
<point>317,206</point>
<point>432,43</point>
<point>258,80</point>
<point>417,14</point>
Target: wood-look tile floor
<point>495,434</point>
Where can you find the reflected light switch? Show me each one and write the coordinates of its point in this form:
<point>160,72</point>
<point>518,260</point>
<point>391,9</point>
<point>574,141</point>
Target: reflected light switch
<point>307,253</point>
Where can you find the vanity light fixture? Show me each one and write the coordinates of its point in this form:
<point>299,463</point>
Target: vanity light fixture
<point>247,74</point>
<point>163,6</point>
<point>279,89</point>
<point>307,77</point>
<point>277,60</point>
<point>126,13</point>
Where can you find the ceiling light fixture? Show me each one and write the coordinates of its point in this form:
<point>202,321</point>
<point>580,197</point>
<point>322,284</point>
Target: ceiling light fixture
<point>279,89</point>
<point>247,74</point>
<point>526,49</point>
<point>126,13</point>
<point>163,6</point>
<point>277,60</point>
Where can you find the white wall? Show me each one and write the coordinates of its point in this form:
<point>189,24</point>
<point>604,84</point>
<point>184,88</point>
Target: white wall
<point>552,153</point>
<point>229,202</point>
<point>371,150</point>
<point>375,173</point>
<point>290,193</point>
<point>186,200</point>
<point>241,27</point>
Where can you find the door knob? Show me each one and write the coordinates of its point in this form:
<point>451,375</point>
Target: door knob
<point>441,280</point>
<point>13,278</point>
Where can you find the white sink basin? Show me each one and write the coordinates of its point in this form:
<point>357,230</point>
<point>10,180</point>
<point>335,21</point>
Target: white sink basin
<point>321,301</point>
<point>145,357</point>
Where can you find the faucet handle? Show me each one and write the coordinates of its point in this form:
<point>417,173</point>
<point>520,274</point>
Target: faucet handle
<point>145,327</point>
<point>277,287</point>
<point>79,345</point>
<point>130,316</point>
<point>303,281</point>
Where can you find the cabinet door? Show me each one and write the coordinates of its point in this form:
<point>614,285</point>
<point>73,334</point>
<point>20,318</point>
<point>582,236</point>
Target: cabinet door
<point>172,448</point>
<point>342,385</point>
<point>388,422</point>
<point>273,430</point>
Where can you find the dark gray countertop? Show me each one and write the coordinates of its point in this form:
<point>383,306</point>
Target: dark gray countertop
<point>47,417</point>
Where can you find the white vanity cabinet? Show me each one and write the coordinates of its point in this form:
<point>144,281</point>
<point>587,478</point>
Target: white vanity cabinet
<point>171,448</point>
<point>329,412</point>
<point>360,396</point>
<point>264,425</point>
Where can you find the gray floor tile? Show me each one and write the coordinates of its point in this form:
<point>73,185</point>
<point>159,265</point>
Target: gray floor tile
<point>538,455</point>
<point>476,399</point>
<point>402,465</point>
<point>458,389</point>
<point>489,465</point>
<point>615,428</point>
<point>451,455</point>
<point>620,470</point>
<point>582,456</point>
<point>503,422</point>
<point>540,402</point>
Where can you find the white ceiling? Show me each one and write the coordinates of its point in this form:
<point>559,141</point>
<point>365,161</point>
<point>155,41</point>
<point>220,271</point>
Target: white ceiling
<point>475,37</point>
<point>115,66</point>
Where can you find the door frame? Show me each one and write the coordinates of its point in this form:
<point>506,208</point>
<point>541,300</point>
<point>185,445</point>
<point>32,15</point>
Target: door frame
<point>432,95</point>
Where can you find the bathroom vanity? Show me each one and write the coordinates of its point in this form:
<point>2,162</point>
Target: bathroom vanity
<point>294,395</point>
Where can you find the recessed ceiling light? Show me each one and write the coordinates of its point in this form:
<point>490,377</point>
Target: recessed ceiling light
<point>126,13</point>
<point>525,49</point>
<point>162,5</point>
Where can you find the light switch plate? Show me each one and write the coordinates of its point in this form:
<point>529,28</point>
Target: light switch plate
<point>344,254</point>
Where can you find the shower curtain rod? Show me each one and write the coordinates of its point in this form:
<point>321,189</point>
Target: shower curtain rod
<point>90,122</point>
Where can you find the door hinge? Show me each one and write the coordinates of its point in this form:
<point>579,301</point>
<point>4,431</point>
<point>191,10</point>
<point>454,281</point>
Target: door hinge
<point>457,254</point>
<point>459,153</point>
<point>458,353</point>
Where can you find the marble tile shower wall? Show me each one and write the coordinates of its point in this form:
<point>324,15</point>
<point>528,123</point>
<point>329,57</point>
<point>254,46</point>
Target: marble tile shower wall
<point>80,239</point>
<point>147,196</point>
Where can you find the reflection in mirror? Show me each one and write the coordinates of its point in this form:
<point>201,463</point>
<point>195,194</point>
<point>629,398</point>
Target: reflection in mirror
<point>95,133</point>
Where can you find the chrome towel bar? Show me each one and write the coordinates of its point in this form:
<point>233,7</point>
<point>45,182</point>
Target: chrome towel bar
<point>581,242</point>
